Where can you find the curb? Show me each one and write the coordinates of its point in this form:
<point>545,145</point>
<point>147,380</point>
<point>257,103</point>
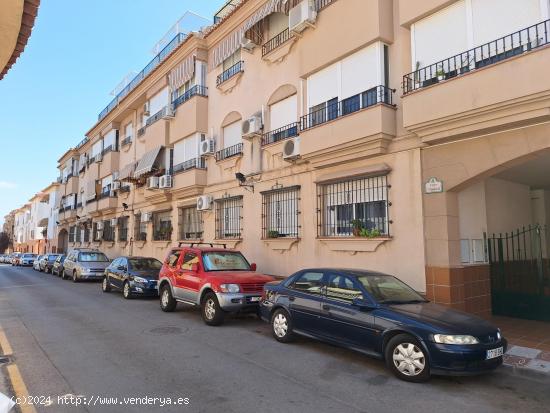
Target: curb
<point>525,372</point>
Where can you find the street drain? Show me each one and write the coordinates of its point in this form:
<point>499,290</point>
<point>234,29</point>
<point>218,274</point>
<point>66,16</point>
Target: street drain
<point>166,331</point>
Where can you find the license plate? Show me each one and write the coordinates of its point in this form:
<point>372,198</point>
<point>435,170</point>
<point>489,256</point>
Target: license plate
<point>254,299</point>
<point>496,352</point>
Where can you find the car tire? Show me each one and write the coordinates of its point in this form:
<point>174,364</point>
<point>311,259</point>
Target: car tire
<point>167,301</point>
<point>75,276</point>
<point>407,359</point>
<point>212,313</point>
<point>106,285</point>
<point>126,291</point>
<point>281,326</point>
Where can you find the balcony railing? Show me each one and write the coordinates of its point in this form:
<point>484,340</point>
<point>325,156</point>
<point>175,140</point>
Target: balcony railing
<point>157,116</point>
<point>110,148</point>
<point>107,194</point>
<point>229,152</point>
<point>229,73</point>
<point>321,4</point>
<point>196,90</point>
<point>169,48</point>
<point>487,54</point>
<point>141,131</point>
<point>334,109</point>
<point>126,141</point>
<point>195,163</point>
<point>276,41</point>
<point>124,189</point>
<point>280,134</point>
<point>78,205</point>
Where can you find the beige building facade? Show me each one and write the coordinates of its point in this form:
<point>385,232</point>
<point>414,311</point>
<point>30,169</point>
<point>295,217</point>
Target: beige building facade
<point>395,136</point>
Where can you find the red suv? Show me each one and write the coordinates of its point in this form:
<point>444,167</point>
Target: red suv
<point>219,280</point>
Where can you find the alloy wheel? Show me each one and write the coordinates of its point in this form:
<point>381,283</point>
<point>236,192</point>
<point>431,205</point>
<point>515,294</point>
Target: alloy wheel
<point>210,309</point>
<point>126,290</point>
<point>409,359</point>
<point>280,325</point>
<point>165,298</point>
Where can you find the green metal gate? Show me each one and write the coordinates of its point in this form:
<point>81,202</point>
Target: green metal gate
<point>520,273</point>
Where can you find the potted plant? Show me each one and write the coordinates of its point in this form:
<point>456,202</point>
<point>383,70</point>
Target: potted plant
<point>357,227</point>
<point>272,233</point>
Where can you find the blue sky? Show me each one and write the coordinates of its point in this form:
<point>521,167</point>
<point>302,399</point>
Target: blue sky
<point>78,52</point>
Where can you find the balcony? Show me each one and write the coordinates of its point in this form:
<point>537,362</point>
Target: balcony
<point>71,184</point>
<point>191,114</point>
<point>229,152</point>
<point>276,48</point>
<point>280,134</point>
<point>229,78</point>
<point>189,178</point>
<point>196,90</point>
<point>499,85</point>
<point>109,163</point>
<point>107,201</point>
<point>126,141</point>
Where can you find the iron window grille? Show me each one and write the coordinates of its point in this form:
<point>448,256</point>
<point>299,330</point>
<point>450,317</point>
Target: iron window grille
<point>123,229</point>
<point>140,229</point>
<point>229,152</point>
<point>78,234</point>
<point>495,51</point>
<point>229,217</point>
<point>190,223</point>
<point>72,230</point>
<point>96,233</point>
<point>108,231</point>
<point>354,207</point>
<point>280,134</point>
<point>162,226</point>
<point>229,73</point>
<point>86,234</point>
<point>280,212</point>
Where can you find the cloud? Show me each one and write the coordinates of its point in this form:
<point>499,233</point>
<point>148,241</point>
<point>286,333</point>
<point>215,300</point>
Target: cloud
<point>7,185</point>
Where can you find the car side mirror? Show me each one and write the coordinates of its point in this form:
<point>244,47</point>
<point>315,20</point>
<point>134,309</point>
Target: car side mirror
<point>121,268</point>
<point>195,267</point>
<point>253,266</point>
<point>362,304</point>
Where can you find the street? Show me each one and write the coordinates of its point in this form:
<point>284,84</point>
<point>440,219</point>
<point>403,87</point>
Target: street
<point>73,339</point>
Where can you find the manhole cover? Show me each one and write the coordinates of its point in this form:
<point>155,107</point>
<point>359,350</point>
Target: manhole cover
<point>167,330</point>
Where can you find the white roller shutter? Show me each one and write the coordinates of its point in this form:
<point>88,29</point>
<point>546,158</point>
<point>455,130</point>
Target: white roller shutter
<point>283,112</point>
<point>97,148</point>
<point>323,85</point>
<point>110,139</point>
<point>232,134</point>
<point>186,149</point>
<point>362,70</point>
<point>157,102</point>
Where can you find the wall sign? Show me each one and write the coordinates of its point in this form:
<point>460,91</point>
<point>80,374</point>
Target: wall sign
<point>433,186</point>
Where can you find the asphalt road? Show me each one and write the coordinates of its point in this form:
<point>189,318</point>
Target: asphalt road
<point>73,339</point>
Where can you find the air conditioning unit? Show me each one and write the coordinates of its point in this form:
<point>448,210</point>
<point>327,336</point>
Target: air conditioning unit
<point>116,185</point>
<point>169,113</point>
<point>146,108</point>
<point>115,175</point>
<point>146,217</point>
<point>247,44</point>
<point>251,127</point>
<point>291,149</point>
<point>207,147</point>
<point>302,16</point>
<point>165,181</point>
<point>99,157</point>
<point>114,222</point>
<point>99,226</point>
<point>153,182</point>
<point>204,202</point>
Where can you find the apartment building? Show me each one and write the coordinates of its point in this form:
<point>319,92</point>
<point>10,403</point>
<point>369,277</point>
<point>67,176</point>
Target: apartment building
<point>7,228</point>
<point>405,137</point>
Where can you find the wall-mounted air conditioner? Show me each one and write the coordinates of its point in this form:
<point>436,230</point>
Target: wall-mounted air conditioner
<point>207,147</point>
<point>153,182</point>
<point>302,16</point>
<point>204,202</point>
<point>247,44</point>
<point>165,182</point>
<point>146,217</point>
<point>291,149</point>
<point>251,127</point>
<point>114,222</point>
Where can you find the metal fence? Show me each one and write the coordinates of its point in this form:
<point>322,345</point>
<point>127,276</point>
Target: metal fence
<point>229,73</point>
<point>276,41</point>
<point>196,90</point>
<point>195,163</point>
<point>229,152</point>
<point>280,134</point>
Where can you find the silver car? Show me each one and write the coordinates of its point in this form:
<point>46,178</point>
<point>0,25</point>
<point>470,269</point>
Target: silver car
<point>85,264</point>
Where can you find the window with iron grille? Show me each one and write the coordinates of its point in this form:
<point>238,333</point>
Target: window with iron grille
<point>162,226</point>
<point>354,207</point>
<point>140,228</point>
<point>123,229</point>
<point>86,233</point>
<point>108,231</point>
<point>190,223</point>
<point>72,230</point>
<point>78,234</point>
<point>228,217</point>
<point>280,211</point>
<point>98,234</point>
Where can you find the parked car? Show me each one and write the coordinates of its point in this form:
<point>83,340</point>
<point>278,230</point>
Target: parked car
<point>3,258</point>
<point>36,264</point>
<point>46,263</point>
<point>218,280</point>
<point>383,317</point>
<point>133,275</point>
<point>57,267</point>
<point>15,259</point>
<point>85,264</point>
<point>27,260</point>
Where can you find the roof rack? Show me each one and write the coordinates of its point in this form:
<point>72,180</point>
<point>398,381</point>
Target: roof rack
<point>193,244</point>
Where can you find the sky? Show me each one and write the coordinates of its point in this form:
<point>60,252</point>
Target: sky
<point>77,53</point>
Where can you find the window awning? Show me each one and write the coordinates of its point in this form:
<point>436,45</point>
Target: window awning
<point>43,222</point>
<point>127,173</point>
<point>148,162</point>
<point>183,72</point>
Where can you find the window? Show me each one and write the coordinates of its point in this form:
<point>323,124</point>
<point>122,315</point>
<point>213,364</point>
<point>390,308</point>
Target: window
<point>357,207</point>
<point>340,287</point>
<point>144,264</point>
<point>78,234</point>
<point>129,131</point>
<point>280,213</point>
<point>386,288</point>
<point>162,226</point>
<point>309,282</point>
<point>86,234</point>
<point>188,260</point>
<point>98,234</point>
<point>173,258</point>
<point>108,231</point>
<point>323,112</point>
<point>72,230</point>
<point>228,217</point>
<point>231,60</point>
<point>190,223</point>
<point>232,134</point>
<point>140,228</point>
<point>123,229</point>
<point>224,261</point>
<point>186,153</point>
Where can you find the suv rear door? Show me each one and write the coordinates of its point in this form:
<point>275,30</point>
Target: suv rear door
<point>171,265</point>
<point>187,280</point>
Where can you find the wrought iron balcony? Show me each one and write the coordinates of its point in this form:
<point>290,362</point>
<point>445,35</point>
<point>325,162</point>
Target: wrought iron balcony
<point>196,90</point>
<point>280,134</point>
<point>126,141</point>
<point>229,152</point>
<point>276,41</point>
<point>195,163</point>
<point>157,116</point>
<point>229,73</point>
<point>487,54</point>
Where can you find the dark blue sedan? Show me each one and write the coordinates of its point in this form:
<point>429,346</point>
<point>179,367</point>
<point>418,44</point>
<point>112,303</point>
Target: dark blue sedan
<point>379,315</point>
<point>133,275</point>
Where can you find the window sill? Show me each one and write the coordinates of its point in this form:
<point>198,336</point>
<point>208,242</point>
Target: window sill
<point>230,243</point>
<point>353,245</point>
<point>281,244</point>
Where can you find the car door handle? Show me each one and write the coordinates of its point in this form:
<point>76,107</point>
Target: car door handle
<point>291,298</point>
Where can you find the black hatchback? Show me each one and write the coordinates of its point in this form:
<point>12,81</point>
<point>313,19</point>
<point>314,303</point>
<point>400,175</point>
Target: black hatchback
<point>133,275</point>
<point>379,315</point>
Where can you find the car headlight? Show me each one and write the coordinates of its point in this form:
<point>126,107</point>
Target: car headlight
<point>230,288</point>
<point>455,339</point>
<point>499,335</point>
<point>140,280</point>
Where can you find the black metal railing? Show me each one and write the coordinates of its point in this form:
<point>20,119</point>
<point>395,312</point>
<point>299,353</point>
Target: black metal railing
<point>196,90</point>
<point>107,194</point>
<point>195,163</point>
<point>169,48</point>
<point>280,134</point>
<point>280,212</point>
<point>487,54</point>
<point>333,109</point>
<point>229,73</point>
<point>141,131</point>
<point>157,116</point>
<point>81,143</point>
<point>78,205</point>
<point>321,4</point>
<point>123,234</point>
<point>110,148</point>
<point>126,141</point>
<point>125,188</point>
<point>276,41</point>
<point>229,217</point>
<point>229,152</point>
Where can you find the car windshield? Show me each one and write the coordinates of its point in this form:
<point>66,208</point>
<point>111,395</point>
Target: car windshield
<point>29,256</point>
<point>92,257</point>
<point>52,257</point>
<point>144,264</point>
<point>224,261</point>
<point>389,290</point>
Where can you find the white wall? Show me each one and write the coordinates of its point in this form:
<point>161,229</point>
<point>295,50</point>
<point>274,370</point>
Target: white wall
<point>508,205</point>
